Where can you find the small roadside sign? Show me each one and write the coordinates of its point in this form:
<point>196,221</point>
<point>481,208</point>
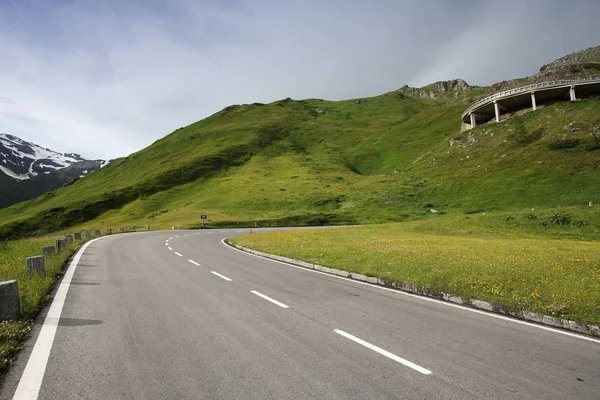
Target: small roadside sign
<point>204,216</point>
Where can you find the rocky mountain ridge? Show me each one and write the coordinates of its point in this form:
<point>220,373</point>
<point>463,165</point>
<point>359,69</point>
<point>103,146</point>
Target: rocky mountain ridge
<point>22,160</point>
<point>578,65</point>
<point>28,170</point>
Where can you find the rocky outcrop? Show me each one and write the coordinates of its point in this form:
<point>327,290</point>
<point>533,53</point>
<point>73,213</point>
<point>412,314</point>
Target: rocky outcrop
<point>453,90</point>
<point>588,57</point>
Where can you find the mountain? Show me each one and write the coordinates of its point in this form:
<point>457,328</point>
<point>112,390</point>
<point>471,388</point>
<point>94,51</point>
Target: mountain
<point>385,158</point>
<point>28,170</point>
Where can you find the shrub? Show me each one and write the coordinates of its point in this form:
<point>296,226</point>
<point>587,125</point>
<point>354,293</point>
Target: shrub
<point>523,136</point>
<point>563,144</point>
<point>558,219</point>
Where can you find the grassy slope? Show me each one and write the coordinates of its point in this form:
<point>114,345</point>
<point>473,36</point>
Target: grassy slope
<point>379,159</point>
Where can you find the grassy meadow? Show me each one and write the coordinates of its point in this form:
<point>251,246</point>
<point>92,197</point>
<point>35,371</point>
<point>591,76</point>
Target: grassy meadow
<point>523,261</point>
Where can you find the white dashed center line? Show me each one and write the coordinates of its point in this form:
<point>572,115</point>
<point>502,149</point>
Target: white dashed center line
<point>194,262</point>
<point>178,254</point>
<point>220,276</point>
<point>170,248</point>
<point>269,299</point>
<point>383,352</point>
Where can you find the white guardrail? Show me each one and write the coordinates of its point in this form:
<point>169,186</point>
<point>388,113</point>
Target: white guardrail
<point>528,88</point>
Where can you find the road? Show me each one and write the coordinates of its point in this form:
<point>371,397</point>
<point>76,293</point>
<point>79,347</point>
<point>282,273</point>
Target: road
<point>180,315</point>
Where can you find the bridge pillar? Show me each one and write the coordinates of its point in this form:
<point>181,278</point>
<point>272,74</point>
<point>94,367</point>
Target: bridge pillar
<point>572,93</point>
<point>497,111</point>
<point>473,120</point>
<point>533,104</point>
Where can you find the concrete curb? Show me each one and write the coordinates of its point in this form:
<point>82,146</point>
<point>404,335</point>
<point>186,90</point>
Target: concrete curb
<point>590,330</point>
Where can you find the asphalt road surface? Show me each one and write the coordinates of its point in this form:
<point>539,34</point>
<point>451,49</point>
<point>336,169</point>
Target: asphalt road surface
<point>180,315</point>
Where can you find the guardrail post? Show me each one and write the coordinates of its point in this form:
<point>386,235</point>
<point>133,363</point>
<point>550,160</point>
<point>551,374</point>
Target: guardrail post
<point>69,238</point>
<point>48,250</point>
<point>147,227</point>
<point>10,306</point>
<point>121,229</point>
<point>77,235</point>
<point>60,244</point>
<point>97,232</point>
<point>36,266</point>
<point>88,234</point>
<point>108,231</point>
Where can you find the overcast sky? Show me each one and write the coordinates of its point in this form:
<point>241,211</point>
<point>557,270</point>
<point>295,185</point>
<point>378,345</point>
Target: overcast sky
<point>105,78</point>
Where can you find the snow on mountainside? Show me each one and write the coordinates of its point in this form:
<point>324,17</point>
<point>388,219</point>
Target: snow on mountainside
<point>22,160</point>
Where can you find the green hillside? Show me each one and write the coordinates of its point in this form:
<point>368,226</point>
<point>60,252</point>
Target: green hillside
<point>379,159</point>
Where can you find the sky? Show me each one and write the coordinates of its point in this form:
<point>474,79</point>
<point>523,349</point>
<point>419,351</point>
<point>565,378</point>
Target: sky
<point>105,78</point>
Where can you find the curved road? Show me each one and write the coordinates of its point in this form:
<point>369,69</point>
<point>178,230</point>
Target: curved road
<point>180,315</point>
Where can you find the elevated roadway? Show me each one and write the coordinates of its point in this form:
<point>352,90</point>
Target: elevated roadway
<point>530,96</point>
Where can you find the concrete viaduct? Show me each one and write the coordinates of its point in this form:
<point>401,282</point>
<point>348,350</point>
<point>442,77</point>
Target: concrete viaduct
<point>492,107</point>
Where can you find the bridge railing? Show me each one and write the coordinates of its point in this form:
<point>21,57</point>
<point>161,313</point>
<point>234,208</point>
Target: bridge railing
<point>527,88</point>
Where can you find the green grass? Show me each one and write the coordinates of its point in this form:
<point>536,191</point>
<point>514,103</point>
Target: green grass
<point>523,261</point>
<point>13,335</point>
<point>33,290</point>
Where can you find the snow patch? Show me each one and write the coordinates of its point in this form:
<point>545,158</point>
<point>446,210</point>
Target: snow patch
<point>12,174</point>
<point>29,156</point>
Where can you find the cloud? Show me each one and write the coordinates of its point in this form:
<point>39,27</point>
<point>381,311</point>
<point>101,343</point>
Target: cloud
<point>106,78</point>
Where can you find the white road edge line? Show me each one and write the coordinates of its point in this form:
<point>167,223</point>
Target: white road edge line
<point>31,380</point>
<point>269,299</point>
<point>194,262</point>
<point>445,303</point>
<point>221,276</point>
<point>178,254</point>
<point>384,352</point>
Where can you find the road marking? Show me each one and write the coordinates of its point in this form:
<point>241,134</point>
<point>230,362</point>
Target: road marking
<point>170,248</point>
<point>31,380</point>
<point>269,299</point>
<point>194,262</point>
<point>166,243</point>
<point>176,237</point>
<point>441,302</point>
<point>170,238</point>
<point>384,352</point>
<point>178,254</point>
<point>221,276</point>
